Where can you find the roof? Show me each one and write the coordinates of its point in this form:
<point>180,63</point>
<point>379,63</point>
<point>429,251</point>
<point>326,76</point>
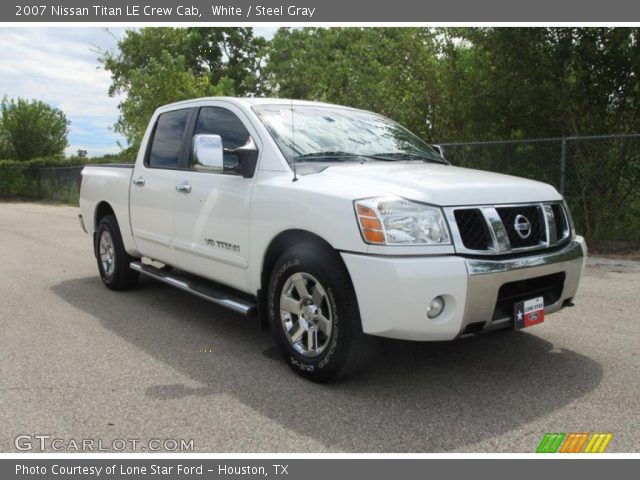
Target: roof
<point>250,101</point>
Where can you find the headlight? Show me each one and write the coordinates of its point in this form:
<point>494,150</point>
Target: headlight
<point>396,221</point>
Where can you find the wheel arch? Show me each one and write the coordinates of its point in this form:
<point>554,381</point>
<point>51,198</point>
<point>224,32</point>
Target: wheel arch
<point>278,245</point>
<point>120,210</point>
<point>103,209</point>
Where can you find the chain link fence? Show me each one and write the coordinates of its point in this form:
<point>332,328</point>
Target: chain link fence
<point>60,184</point>
<point>598,175</point>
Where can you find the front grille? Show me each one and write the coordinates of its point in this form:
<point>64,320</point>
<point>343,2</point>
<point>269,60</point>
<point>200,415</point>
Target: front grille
<point>549,287</point>
<point>504,229</point>
<point>473,229</point>
<point>526,215</point>
<point>559,219</point>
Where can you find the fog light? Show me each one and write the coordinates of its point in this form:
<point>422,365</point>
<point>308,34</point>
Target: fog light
<point>436,307</point>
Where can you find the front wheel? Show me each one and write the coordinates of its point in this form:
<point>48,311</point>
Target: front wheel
<point>314,314</point>
<point>113,259</point>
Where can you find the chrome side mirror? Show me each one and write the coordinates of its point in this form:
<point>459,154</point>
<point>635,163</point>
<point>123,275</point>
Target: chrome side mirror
<point>439,149</point>
<point>207,153</point>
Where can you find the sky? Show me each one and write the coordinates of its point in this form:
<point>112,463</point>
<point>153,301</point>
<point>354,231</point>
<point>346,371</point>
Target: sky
<point>59,66</point>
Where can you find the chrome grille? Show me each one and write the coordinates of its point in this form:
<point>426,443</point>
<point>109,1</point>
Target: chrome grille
<point>528,215</point>
<point>473,229</point>
<point>503,229</point>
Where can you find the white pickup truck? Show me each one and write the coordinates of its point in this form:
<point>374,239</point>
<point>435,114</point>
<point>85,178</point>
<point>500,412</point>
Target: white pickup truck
<point>334,225</point>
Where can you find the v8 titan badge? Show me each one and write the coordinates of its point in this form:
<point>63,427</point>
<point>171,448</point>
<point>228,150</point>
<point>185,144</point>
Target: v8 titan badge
<point>529,312</point>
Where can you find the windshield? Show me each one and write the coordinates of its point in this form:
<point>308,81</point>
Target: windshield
<point>326,134</point>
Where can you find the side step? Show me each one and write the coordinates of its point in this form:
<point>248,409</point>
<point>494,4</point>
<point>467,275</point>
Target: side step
<point>215,293</point>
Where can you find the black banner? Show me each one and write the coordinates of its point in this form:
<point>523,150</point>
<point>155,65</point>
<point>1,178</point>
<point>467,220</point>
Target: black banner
<point>304,11</point>
<point>314,469</point>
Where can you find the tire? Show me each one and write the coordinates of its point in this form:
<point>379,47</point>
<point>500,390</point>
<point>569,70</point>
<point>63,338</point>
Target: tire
<point>326,310</point>
<point>113,260</point>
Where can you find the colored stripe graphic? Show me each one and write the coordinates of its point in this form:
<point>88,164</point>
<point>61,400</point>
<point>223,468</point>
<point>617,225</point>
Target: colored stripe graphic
<point>598,442</point>
<point>550,443</point>
<point>574,443</point>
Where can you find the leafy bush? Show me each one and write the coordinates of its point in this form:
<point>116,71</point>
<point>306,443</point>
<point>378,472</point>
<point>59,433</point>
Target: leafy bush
<point>31,128</point>
<point>17,178</point>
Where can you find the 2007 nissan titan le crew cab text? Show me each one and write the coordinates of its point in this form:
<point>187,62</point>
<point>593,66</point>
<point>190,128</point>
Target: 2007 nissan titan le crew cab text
<point>334,225</point>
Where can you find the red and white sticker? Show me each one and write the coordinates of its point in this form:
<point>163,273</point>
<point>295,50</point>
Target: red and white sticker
<point>529,312</point>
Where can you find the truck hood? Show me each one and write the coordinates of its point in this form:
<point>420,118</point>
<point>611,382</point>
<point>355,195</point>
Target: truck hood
<point>442,185</point>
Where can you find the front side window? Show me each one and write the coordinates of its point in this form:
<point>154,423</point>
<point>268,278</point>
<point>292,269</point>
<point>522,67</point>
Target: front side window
<point>223,122</point>
<point>166,146</point>
<point>239,153</point>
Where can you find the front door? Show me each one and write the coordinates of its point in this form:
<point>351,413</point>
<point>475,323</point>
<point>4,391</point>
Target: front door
<point>212,210</point>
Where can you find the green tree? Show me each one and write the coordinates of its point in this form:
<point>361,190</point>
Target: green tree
<point>31,129</point>
<point>156,66</point>
<point>5,147</point>
<point>505,83</point>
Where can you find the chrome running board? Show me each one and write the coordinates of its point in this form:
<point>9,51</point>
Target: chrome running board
<point>215,293</point>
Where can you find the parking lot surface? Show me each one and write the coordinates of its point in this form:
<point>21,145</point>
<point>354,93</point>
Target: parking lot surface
<point>78,361</point>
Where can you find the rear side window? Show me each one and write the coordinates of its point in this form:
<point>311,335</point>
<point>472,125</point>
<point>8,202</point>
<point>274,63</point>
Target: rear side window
<point>220,121</point>
<point>166,147</point>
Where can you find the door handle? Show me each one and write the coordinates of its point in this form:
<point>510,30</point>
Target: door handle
<point>138,181</point>
<point>184,187</point>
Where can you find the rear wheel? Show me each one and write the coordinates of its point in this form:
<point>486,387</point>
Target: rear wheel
<point>314,314</point>
<point>113,260</point>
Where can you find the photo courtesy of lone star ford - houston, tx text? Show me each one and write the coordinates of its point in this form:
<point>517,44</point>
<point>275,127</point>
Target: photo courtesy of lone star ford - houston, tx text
<point>318,239</point>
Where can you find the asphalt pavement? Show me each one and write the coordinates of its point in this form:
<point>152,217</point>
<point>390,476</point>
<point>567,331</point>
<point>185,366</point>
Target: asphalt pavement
<point>80,362</point>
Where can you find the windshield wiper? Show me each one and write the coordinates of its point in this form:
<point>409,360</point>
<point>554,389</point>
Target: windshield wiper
<point>333,154</point>
<point>384,157</point>
<point>394,156</point>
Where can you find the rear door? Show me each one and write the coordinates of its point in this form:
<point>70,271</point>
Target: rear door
<point>212,214</point>
<point>153,186</point>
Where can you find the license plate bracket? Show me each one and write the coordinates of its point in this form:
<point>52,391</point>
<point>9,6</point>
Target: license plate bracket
<point>528,313</point>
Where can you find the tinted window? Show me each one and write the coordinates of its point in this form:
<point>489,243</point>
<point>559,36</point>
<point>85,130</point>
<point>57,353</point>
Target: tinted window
<point>220,121</point>
<point>167,139</point>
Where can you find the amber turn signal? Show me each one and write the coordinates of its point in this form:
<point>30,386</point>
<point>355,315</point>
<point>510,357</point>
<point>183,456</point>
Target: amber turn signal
<point>371,227</point>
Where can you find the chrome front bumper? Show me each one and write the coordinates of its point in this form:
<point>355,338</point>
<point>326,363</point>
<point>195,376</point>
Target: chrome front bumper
<point>486,277</point>
<point>394,292</point>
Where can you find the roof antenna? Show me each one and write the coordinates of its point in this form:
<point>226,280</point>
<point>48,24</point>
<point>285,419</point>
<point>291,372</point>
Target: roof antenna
<point>293,143</point>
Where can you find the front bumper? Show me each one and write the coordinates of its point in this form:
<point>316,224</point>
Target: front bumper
<point>394,292</point>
